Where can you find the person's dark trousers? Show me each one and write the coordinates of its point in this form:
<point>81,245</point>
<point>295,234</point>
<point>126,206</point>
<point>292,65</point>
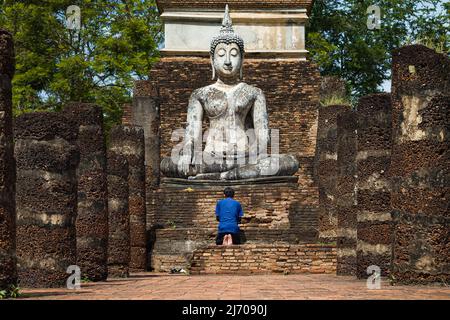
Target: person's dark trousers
<point>235,236</point>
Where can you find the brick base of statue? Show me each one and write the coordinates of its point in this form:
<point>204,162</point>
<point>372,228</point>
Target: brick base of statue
<point>278,213</point>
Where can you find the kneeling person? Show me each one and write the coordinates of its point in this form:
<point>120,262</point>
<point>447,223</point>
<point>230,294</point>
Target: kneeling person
<point>229,213</point>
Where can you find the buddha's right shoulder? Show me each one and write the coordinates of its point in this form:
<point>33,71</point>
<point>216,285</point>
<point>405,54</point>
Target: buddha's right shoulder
<point>201,91</point>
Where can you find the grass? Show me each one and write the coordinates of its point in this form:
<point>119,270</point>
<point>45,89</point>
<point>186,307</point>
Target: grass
<point>335,100</point>
<point>439,47</point>
<point>12,292</point>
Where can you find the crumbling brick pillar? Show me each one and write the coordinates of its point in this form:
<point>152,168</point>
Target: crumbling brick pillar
<point>92,215</point>
<point>420,165</point>
<point>118,209</point>
<point>46,198</point>
<point>373,188</point>
<point>326,170</point>
<point>8,271</point>
<point>345,193</point>
<point>145,113</point>
<point>129,142</point>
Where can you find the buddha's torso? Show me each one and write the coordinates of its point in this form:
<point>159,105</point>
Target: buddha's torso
<point>227,110</point>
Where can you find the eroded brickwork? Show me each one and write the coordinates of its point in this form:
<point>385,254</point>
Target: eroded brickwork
<point>118,210</point>
<point>374,116</point>
<point>345,192</point>
<point>129,142</point>
<point>92,209</point>
<point>46,198</point>
<point>326,170</point>
<point>420,165</point>
<point>8,270</point>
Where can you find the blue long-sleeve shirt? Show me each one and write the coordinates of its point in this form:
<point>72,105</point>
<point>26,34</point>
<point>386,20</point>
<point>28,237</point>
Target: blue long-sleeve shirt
<point>228,212</point>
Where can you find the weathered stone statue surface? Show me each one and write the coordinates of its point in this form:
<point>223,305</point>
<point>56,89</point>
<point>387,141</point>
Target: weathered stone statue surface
<point>238,135</point>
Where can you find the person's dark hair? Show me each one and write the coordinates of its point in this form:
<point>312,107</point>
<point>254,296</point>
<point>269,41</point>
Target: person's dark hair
<point>228,192</point>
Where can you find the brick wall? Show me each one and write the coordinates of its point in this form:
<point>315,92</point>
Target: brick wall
<point>127,116</point>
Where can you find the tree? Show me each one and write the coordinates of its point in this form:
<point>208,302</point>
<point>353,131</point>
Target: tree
<point>342,45</point>
<point>117,43</point>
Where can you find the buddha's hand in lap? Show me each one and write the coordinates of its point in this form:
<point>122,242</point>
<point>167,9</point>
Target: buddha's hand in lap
<point>184,164</point>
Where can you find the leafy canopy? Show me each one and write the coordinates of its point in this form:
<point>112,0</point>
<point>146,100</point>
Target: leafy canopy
<point>342,45</point>
<point>117,43</point>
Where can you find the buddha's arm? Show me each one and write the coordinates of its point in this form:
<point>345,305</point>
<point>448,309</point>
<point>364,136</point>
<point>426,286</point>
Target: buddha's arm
<point>261,122</point>
<point>193,135</point>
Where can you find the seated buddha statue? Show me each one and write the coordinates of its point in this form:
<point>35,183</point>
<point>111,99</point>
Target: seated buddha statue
<point>238,136</point>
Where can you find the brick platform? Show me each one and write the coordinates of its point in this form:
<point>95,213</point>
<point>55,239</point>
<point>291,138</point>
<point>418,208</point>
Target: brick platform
<point>184,220</point>
<point>264,258</point>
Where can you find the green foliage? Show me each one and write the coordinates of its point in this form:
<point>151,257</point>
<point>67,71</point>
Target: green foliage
<point>118,43</point>
<point>341,43</point>
<point>12,292</point>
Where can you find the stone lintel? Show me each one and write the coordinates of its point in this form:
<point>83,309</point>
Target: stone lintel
<point>241,16</point>
<point>268,33</point>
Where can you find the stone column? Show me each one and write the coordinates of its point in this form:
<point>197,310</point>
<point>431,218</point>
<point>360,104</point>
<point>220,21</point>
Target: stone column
<point>129,142</point>
<point>8,271</point>
<point>373,188</point>
<point>327,170</point>
<point>46,198</point>
<point>345,193</point>
<point>92,217</point>
<point>420,165</point>
<point>119,216</point>
<point>145,114</point>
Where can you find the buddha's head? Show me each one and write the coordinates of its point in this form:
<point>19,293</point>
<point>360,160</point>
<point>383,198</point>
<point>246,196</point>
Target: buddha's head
<point>227,51</point>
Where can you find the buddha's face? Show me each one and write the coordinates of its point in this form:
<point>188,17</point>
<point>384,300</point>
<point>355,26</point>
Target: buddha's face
<point>227,60</point>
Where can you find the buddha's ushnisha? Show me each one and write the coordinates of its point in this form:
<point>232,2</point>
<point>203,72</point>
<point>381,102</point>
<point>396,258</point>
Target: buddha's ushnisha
<point>238,135</point>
